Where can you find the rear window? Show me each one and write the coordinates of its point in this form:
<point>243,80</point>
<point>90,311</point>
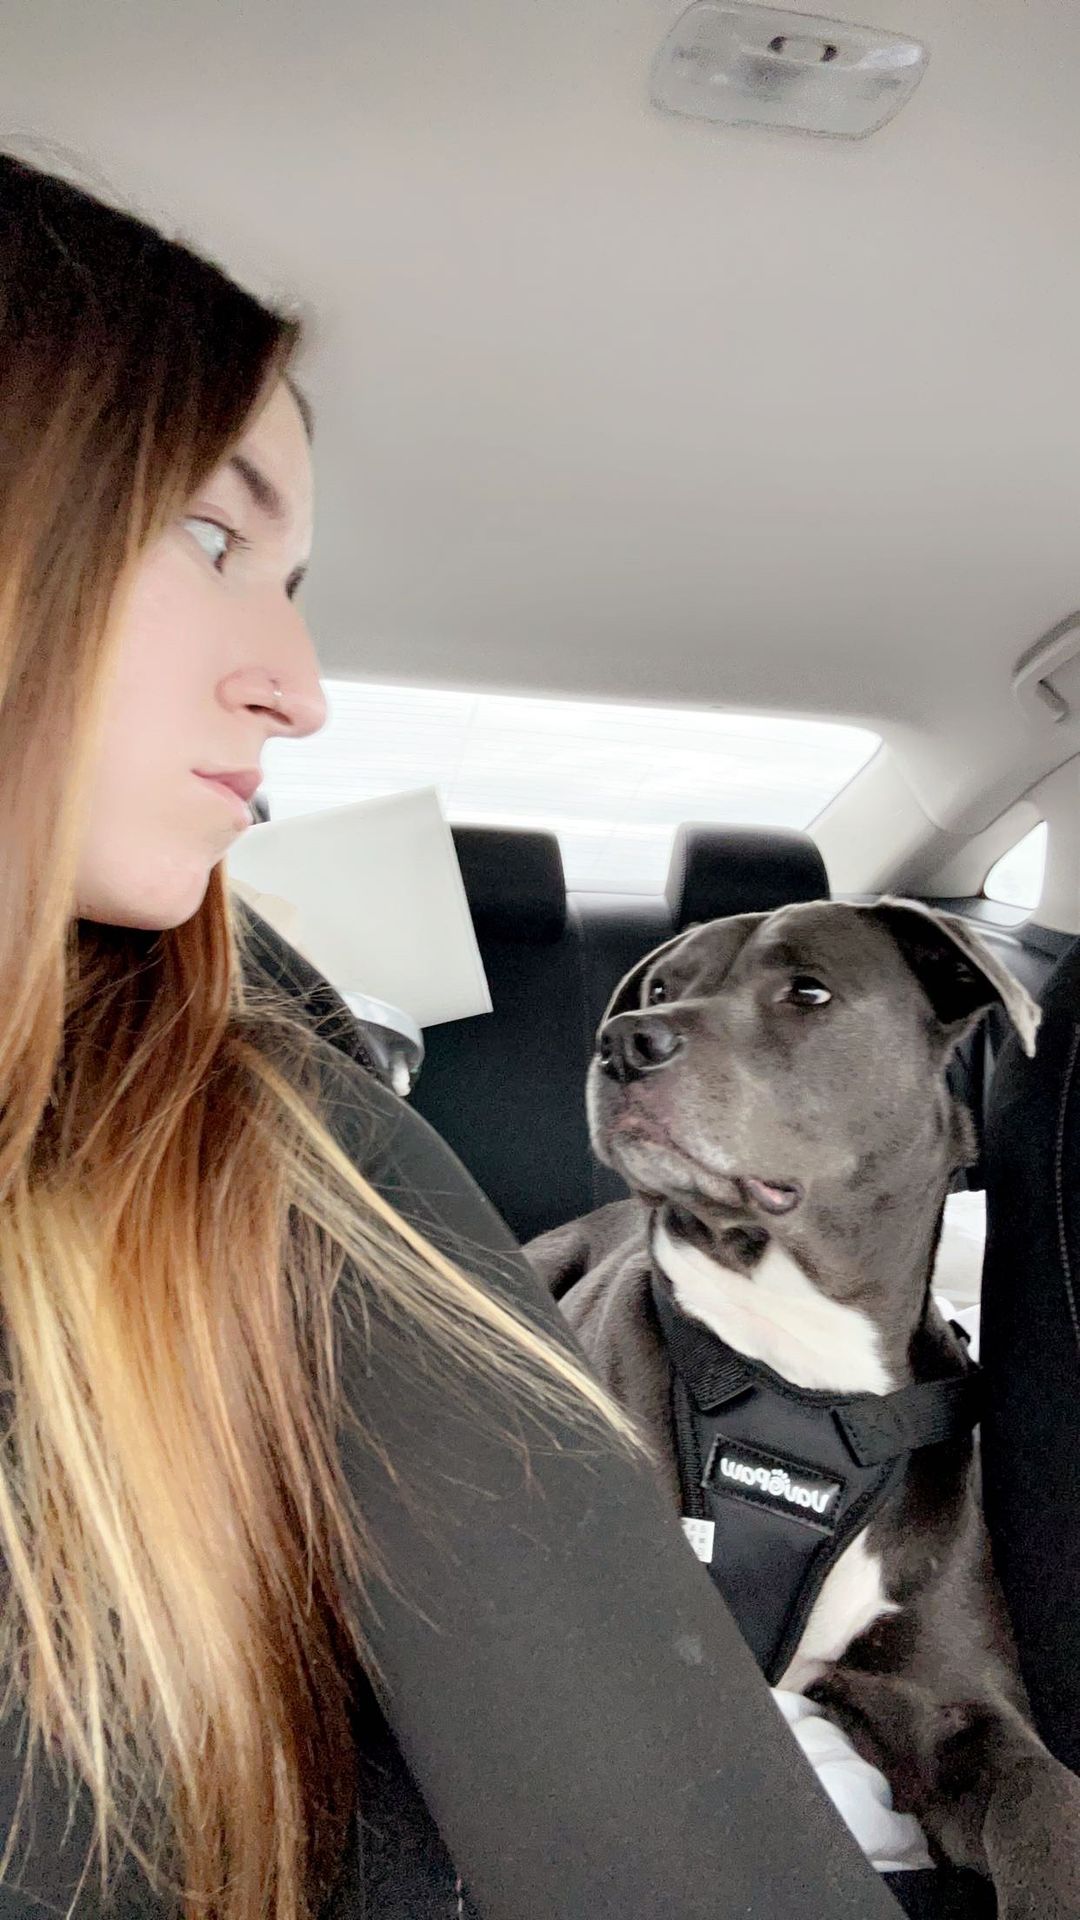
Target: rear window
<point>612,781</point>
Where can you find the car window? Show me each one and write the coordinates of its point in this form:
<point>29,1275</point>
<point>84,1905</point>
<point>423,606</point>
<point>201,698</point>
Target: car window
<point>613,781</point>
<point>1016,879</point>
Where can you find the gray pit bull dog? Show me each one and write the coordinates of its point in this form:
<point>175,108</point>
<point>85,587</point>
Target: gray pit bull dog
<point>773,1088</point>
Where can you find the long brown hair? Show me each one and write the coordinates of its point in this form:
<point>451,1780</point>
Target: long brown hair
<point>176,1221</point>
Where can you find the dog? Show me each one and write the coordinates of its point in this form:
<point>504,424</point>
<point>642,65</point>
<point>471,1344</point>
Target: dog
<point>773,1089</point>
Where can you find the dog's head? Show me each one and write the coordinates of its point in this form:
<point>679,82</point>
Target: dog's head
<point>756,1062</point>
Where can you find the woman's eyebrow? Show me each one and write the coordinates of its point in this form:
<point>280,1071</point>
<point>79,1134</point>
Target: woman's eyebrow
<point>263,491</point>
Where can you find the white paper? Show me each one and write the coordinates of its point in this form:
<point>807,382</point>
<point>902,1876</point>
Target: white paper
<point>378,903</point>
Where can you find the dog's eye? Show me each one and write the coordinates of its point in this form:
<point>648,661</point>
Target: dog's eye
<point>805,991</point>
<point>657,992</point>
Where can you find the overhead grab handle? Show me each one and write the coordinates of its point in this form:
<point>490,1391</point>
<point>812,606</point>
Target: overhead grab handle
<point>1041,684</point>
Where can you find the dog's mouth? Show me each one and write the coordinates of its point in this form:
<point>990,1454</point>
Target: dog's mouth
<point>645,1147</point>
<point>773,1196</point>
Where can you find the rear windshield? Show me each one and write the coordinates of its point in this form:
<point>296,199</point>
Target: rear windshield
<point>612,781</point>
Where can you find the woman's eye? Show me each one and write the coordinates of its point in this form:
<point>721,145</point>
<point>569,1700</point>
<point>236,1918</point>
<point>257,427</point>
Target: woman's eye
<point>805,991</point>
<point>657,992</point>
<point>216,540</point>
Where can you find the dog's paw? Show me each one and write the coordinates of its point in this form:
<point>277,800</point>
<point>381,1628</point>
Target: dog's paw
<point>1032,1837</point>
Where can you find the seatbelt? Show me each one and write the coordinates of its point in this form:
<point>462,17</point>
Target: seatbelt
<point>777,1480</point>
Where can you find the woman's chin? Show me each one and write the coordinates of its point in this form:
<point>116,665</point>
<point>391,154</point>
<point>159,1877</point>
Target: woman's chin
<point>156,902</point>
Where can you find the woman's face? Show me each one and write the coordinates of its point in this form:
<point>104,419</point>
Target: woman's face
<point>214,658</point>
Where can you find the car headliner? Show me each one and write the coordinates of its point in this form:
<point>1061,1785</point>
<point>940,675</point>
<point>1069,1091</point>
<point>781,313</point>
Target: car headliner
<point>612,403</point>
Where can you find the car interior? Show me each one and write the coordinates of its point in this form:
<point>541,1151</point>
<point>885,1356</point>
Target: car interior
<point>698,502</point>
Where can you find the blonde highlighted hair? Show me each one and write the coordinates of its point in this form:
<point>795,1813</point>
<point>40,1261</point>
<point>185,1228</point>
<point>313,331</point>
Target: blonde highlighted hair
<point>177,1222</point>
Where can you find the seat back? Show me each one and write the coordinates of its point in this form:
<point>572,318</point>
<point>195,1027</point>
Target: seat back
<point>719,871</point>
<point>1031,1354</point>
<point>505,1089</point>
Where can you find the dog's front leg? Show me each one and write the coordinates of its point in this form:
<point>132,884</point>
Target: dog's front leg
<point>1031,1833</point>
<point>986,1791</point>
<point>999,1794</point>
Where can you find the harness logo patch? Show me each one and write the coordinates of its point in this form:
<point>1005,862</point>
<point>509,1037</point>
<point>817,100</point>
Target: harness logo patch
<point>765,1481</point>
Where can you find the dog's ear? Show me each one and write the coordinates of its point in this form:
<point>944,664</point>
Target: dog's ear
<point>959,973</point>
<point>627,995</point>
<point>713,941</point>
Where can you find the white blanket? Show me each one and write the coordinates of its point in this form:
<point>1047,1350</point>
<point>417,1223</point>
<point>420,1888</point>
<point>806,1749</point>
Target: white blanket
<point>862,1796</point>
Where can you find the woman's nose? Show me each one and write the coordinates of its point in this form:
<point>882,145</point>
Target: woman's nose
<point>283,682</point>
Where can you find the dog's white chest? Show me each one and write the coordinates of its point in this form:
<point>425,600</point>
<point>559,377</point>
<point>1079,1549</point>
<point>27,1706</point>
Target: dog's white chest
<point>780,1318</point>
<point>851,1599</point>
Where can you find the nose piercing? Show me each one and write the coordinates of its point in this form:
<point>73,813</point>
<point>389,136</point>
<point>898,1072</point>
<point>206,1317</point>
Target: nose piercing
<point>278,695</point>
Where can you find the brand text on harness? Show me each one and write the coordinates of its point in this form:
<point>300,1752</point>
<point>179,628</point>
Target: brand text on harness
<point>777,1482</point>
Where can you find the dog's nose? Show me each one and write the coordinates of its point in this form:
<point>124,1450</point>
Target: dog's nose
<point>641,1046</point>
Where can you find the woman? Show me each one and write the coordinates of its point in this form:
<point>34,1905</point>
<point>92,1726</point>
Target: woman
<point>300,1474</point>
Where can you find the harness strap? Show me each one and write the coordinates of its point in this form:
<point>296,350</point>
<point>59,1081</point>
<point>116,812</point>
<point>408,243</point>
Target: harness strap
<point>712,1370</point>
<point>876,1427</point>
<point>879,1426</point>
<point>689,1459</point>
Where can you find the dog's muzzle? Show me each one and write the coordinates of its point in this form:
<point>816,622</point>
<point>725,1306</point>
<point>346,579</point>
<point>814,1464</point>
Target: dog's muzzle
<point>632,1046</point>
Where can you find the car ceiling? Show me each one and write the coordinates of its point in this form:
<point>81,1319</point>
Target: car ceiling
<point>615,403</point>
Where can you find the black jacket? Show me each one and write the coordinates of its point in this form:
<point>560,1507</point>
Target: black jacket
<point>575,1721</point>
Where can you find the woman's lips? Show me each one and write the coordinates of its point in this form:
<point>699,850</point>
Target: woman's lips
<point>238,806</point>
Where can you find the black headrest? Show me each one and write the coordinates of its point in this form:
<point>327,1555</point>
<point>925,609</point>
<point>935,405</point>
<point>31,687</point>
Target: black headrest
<point>514,882</point>
<point>717,871</point>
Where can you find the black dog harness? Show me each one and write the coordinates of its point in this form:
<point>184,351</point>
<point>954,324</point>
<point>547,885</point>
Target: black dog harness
<point>777,1480</point>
